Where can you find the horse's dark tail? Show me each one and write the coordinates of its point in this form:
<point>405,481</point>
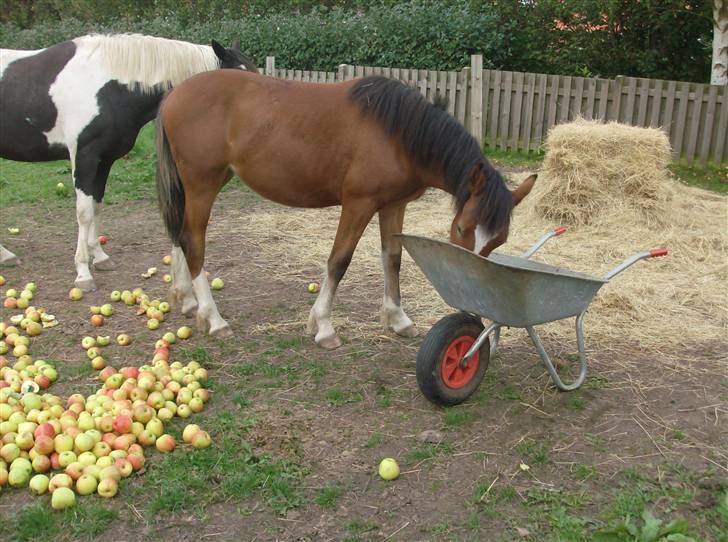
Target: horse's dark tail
<point>170,192</point>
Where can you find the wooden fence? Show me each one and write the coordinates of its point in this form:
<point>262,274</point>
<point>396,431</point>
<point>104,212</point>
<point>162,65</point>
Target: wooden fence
<point>515,110</point>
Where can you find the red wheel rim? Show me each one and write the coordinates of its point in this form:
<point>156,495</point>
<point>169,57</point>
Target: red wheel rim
<point>453,375</point>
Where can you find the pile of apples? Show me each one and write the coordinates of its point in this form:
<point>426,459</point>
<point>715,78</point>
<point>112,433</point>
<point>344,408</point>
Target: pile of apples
<point>87,444</point>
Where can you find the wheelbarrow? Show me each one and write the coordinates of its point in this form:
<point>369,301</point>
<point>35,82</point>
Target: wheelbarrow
<point>511,291</point>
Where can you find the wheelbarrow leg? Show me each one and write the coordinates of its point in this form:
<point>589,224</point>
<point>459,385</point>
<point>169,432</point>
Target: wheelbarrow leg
<point>494,338</point>
<point>550,366</point>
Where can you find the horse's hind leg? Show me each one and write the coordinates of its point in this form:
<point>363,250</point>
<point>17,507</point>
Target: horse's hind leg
<point>198,204</point>
<point>7,258</point>
<point>354,219</point>
<point>181,291</point>
<point>391,220</point>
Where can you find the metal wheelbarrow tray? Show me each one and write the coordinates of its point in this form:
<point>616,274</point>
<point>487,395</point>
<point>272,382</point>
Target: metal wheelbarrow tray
<point>511,291</point>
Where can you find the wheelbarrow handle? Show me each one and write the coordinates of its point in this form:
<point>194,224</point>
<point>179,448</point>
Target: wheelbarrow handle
<point>538,244</point>
<point>655,252</point>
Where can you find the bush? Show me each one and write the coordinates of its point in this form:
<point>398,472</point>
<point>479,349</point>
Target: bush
<point>417,34</point>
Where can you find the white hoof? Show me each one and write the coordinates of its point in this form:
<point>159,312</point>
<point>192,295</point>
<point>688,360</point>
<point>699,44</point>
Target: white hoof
<point>106,264</point>
<point>329,342</point>
<point>87,285</point>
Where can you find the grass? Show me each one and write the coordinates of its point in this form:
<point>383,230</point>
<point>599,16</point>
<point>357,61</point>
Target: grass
<point>328,496</point>
<point>85,521</point>
<point>191,480</point>
<point>534,452</point>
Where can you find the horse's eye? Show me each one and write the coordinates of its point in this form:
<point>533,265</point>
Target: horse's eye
<point>460,230</point>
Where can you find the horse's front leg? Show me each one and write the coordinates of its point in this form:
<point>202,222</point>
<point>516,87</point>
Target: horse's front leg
<point>84,217</point>
<point>7,258</point>
<point>391,220</point>
<point>101,260</point>
<point>354,219</point>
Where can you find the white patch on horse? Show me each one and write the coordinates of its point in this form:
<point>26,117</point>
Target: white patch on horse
<point>208,316</point>
<point>319,319</point>
<point>182,282</point>
<point>74,95</point>
<point>481,238</point>
<point>8,56</point>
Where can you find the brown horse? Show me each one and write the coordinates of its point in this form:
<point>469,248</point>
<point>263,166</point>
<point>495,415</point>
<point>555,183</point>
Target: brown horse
<point>370,145</point>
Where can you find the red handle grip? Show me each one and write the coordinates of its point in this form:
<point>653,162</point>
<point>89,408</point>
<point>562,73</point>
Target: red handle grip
<point>658,252</point>
<point>560,230</point>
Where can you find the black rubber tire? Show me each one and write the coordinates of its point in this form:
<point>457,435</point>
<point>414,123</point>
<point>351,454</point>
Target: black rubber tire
<point>431,354</point>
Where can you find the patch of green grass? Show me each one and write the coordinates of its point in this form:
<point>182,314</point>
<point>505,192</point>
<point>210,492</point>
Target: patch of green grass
<point>89,520</point>
<point>36,522</point>
<point>530,160</point>
<point>533,451</point>
<point>710,177</point>
<point>649,529</point>
<point>40,522</point>
<point>456,417</point>
<point>361,526</point>
<point>327,496</point>
<point>337,397</point>
<point>576,403</point>
<point>375,440</point>
<point>678,435</point>
<point>598,442</point>
<point>586,472</point>
<point>441,528</point>
<point>508,393</point>
<point>384,397</point>
<point>425,451</point>
<point>192,479</point>
<point>557,511</point>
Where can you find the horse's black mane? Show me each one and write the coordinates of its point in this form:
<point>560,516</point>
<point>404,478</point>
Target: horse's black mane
<point>433,138</point>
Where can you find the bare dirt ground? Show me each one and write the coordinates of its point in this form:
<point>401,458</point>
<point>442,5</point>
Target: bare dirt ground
<point>644,430</point>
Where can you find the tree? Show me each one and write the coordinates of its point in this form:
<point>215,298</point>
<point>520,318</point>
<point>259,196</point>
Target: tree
<point>719,66</point>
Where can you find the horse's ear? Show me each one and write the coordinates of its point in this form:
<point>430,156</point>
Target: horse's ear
<point>236,46</point>
<point>478,180</point>
<point>220,51</point>
<point>523,189</point>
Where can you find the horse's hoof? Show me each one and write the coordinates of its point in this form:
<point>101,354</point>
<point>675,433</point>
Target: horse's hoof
<point>329,342</point>
<point>11,262</point>
<point>223,331</point>
<point>409,331</point>
<point>87,285</point>
<point>105,265</point>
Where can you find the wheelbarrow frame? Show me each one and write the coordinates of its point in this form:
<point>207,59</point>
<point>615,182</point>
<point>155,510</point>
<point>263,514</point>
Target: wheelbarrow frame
<point>513,291</point>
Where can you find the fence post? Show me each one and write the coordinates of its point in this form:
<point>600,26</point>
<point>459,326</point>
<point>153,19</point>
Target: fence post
<point>476,97</point>
<point>270,66</point>
<point>341,72</point>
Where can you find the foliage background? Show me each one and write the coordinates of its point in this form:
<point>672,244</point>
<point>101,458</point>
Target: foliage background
<point>667,39</point>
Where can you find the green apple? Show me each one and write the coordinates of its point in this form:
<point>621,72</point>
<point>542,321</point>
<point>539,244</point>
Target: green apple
<point>63,498</point>
<point>107,309</point>
<point>217,283</point>
<point>39,484</point>
<point>388,469</point>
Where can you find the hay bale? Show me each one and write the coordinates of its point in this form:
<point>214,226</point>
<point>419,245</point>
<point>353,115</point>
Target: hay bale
<point>592,171</point>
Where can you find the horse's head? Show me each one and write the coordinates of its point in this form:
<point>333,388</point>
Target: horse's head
<point>233,57</point>
<point>468,230</point>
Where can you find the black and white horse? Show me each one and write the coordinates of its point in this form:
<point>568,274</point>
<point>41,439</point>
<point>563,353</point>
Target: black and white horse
<point>86,100</point>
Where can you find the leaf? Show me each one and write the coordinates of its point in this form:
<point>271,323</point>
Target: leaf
<point>676,526</point>
<point>651,529</point>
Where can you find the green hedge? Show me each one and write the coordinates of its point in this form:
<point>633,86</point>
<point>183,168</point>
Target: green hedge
<point>419,34</point>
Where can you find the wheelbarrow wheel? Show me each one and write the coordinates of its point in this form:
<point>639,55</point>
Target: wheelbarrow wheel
<point>440,374</point>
